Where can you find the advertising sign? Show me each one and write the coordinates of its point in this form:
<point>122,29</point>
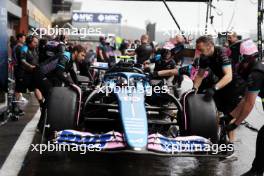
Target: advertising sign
<point>96,17</point>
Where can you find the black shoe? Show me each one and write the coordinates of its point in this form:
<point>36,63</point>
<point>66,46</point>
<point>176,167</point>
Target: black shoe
<point>14,117</point>
<point>226,119</point>
<point>40,126</point>
<point>20,112</point>
<point>253,172</point>
<point>229,154</point>
<point>179,81</point>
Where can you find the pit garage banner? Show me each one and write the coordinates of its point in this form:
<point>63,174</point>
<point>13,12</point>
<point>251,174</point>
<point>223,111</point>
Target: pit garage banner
<point>85,17</point>
<point>3,44</point>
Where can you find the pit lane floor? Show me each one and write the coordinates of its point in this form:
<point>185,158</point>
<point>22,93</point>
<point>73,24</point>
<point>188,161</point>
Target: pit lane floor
<point>98,164</point>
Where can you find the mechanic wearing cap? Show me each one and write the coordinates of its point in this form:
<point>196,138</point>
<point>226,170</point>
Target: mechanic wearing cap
<point>166,58</point>
<point>253,72</point>
<point>189,70</point>
<point>237,50</point>
<point>163,59</point>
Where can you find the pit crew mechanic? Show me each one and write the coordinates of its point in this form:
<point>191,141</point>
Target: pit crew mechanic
<point>57,69</point>
<point>252,71</point>
<point>18,70</point>
<point>189,70</point>
<point>55,73</point>
<point>144,51</point>
<point>163,60</point>
<point>224,91</point>
<point>234,46</point>
<point>101,50</point>
<point>166,59</point>
<point>29,58</point>
<point>237,50</point>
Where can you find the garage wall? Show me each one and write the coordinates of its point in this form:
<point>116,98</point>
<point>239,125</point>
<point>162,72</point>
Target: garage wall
<point>44,6</point>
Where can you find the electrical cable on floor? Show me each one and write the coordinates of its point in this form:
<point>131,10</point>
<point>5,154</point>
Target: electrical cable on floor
<point>249,126</point>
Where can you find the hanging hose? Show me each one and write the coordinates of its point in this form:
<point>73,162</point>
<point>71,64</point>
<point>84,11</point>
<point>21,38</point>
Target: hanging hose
<point>229,28</point>
<point>207,16</point>
<point>174,19</point>
<point>260,20</point>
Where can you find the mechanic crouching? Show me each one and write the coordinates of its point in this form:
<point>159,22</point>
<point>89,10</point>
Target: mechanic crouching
<point>56,73</point>
<point>253,72</point>
<point>163,60</point>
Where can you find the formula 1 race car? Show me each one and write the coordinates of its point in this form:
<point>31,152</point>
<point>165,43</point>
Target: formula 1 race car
<point>125,111</point>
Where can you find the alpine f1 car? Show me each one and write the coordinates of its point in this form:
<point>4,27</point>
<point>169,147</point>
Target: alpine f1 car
<point>126,111</point>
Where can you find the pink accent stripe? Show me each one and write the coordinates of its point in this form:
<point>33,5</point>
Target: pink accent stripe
<point>184,109</point>
<point>79,102</point>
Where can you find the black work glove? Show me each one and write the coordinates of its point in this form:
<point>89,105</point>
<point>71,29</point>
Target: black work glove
<point>67,83</point>
<point>209,93</point>
<point>194,89</point>
<point>154,75</point>
<point>147,70</point>
<point>37,67</point>
<point>227,118</point>
<point>231,127</point>
<point>179,81</point>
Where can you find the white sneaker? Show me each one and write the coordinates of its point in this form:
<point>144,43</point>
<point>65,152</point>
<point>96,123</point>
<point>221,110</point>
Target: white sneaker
<point>22,102</point>
<point>23,99</point>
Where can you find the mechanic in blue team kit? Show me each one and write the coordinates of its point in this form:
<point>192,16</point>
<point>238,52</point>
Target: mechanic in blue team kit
<point>178,46</point>
<point>163,60</point>
<point>165,57</point>
<point>225,91</point>
<point>216,59</point>
<point>18,70</point>
<point>253,72</point>
<point>55,72</point>
<point>50,48</point>
<point>29,59</point>
<point>188,70</point>
<point>101,50</point>
<point>238,49</point>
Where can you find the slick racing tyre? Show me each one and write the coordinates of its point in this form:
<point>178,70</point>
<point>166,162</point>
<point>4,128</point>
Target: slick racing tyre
<point>62,109</point>
<point>199,117</point>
